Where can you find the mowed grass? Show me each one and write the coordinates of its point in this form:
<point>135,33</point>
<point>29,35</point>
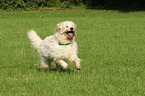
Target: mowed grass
<point>110,43</point>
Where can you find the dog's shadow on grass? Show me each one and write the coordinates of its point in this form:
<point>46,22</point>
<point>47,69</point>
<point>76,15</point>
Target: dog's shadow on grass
<point>68,70</point>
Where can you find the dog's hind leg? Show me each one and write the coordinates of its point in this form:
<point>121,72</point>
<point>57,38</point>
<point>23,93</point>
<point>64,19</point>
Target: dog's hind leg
<point>45,63</point>
<point>61,63</point>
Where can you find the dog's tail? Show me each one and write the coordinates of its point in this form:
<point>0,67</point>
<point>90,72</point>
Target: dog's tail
<point>34,38</point>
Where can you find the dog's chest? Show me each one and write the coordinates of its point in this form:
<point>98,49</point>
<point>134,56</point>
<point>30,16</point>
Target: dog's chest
<point>51,48</point>
<point>64,51</point>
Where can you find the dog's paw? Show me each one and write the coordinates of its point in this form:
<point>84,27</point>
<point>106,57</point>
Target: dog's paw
<point>78,67</point>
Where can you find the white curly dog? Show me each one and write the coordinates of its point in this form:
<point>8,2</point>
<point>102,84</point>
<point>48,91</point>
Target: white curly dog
<point>58,47</point>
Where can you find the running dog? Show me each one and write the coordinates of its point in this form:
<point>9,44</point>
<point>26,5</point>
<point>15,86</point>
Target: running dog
<point>58,47</point>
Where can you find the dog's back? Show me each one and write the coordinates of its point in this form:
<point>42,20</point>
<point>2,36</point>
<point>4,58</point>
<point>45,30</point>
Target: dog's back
<point>34,38</point>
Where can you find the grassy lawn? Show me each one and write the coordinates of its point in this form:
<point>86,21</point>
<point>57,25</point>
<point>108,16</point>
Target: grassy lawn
<point>111,44</point>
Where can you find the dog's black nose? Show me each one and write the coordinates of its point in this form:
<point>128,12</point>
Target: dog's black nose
<point>71,28</point>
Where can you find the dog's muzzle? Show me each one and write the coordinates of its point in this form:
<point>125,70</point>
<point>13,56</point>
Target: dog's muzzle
<point>70,34</point>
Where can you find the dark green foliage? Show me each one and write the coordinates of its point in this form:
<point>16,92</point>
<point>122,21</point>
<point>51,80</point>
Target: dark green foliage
<point>9,5</point>
<point>23,4</point>
<point>4,4</point>
<point>116,4</point>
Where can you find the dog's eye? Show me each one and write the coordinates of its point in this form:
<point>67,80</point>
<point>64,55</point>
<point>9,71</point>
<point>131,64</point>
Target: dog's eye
<point>66,26</point>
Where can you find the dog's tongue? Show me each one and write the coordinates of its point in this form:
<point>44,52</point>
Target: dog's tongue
<point>70,34</point>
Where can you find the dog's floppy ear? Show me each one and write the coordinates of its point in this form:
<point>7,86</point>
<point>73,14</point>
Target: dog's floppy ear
<point>58,26</point>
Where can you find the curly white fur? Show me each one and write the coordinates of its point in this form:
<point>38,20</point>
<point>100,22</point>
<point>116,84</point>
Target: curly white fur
<point>35,39</point>
<point>58,47</point>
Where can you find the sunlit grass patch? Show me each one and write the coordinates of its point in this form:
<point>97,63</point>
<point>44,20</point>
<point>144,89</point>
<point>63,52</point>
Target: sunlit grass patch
<point>110,43</point>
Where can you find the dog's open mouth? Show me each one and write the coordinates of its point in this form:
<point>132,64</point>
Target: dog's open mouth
<point>70,34</point>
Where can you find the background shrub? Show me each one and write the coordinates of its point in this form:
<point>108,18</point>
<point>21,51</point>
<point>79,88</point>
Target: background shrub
<point>97,4</point>
<point>116,4</point>
<point>23,4</point>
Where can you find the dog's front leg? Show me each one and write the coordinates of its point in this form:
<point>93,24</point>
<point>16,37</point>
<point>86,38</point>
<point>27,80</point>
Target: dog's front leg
<point>62,63</point>
<point>77,62</point>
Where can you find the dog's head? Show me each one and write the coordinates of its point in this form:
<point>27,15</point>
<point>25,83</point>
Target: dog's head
<point>67,28</point>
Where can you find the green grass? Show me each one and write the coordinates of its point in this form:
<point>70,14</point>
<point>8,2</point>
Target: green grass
<point>111,44</point>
